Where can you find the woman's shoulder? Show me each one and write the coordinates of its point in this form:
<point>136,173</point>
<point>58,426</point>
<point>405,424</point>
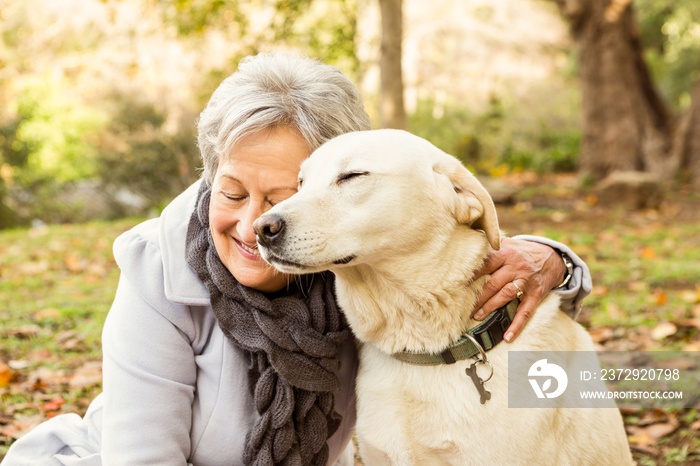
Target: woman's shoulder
<point>137,251</point>
<point>152,254</point>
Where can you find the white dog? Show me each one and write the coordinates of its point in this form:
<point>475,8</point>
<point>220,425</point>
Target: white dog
<point>404,226</point>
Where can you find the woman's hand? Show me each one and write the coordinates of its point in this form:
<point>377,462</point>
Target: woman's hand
<point>532,268</point>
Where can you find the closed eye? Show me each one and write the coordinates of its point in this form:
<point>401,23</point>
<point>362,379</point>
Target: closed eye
<point>343,177</point>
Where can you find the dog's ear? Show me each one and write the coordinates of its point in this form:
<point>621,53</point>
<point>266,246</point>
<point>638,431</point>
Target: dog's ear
<point>473,205</point>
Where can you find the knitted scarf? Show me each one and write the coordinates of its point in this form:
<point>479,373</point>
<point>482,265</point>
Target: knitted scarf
<point>292,339</point>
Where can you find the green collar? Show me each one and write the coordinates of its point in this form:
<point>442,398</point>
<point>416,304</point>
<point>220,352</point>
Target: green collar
<point>488,334</point>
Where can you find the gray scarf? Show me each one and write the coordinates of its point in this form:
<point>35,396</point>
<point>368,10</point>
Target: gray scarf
<point>292,339</point>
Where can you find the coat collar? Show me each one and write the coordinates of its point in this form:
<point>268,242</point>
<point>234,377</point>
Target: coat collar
<point>180,281</point>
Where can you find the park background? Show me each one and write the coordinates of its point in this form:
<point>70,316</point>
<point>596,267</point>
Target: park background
<point>581,116</point>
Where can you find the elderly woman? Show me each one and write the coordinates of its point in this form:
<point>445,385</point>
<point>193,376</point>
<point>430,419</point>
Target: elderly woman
<point>210,355</point>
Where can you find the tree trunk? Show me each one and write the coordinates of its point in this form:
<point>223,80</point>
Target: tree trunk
<point>626,124</point>
<point>689,139</point>
<point>392,113</point>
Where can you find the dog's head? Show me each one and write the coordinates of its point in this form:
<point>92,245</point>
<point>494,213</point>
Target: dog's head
<point>368,196</point>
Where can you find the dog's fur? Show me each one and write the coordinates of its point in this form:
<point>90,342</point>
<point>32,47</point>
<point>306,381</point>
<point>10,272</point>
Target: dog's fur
<point>404,226</point>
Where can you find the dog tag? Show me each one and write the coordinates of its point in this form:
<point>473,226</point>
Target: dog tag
<point>478,383</point>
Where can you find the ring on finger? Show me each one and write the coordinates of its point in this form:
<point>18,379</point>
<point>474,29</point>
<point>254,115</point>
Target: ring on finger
<point>519,293</point>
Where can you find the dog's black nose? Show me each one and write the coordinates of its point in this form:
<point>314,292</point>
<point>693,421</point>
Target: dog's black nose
<point>269,228</point>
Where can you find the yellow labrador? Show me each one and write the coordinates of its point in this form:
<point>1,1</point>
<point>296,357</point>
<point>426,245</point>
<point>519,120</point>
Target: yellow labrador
<point>404,226</point>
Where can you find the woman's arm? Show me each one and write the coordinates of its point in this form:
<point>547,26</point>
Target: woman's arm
<point>534,265</point>
<point>149,381</point>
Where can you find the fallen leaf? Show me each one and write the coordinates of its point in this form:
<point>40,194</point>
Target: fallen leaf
<point>657,431</point>
<point>610,237</point>
<point>648,253</point>
<point>647,435</point>
<point>654,416</point>
<point>591,199</point>
<point>601,334</point>
<point>696,310</point>
<point>691,296</point>
<point>48,313</point>
<point>21,425</point>
<point>25,331</point>
<point>97,270</point>
<point>558,217</point>
<point>637,436</point>
<point>659,298</point>
<point>678,363</point>
<point>627,411</point>
<point>18,364</point>
<point>614,311</point>
<point>53,405</point>
<point>43,377</point>
<point>92,279</point>
<point>69,340</point>
<point>87,375</point>
<point>42,354</point>
<point>663,330</point>
<point>5,374</point>
<point>692,346</point>
<point>693,323</point>
<point>648,449</point>
<point>74,264</point>
<point>521,207</point>
<point>33,268</point>
<point>39,385</point>
<point>636,286</point>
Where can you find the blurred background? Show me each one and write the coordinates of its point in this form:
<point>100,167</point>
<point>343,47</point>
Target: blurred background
<point>582,117</point>
<point>99,98</point>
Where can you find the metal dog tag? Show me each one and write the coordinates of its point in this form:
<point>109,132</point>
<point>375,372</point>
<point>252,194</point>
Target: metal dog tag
<point>478,383</point>
<point>471,370</point>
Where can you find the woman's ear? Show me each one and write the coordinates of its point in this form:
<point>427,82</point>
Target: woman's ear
<point>472,204</point>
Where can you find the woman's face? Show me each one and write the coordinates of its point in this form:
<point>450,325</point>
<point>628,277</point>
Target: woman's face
<point>260,171</point>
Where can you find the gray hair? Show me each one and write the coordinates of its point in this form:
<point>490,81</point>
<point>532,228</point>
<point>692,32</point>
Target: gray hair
<point>270,90</point>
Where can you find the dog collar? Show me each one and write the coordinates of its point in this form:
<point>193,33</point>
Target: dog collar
<point>488,334</point>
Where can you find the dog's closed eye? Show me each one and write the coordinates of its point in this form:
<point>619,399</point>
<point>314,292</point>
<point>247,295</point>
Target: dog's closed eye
<point>346,176</point>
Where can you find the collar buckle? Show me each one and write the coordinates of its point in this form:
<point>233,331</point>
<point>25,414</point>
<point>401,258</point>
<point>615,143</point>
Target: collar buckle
<point>491,331</point>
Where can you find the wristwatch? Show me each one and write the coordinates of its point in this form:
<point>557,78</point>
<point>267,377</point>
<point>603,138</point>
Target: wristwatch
<point>569,270</point>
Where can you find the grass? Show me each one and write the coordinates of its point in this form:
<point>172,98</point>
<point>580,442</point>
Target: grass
<point>57,283</point>
<point>649,269</point>
<point>56,279</point>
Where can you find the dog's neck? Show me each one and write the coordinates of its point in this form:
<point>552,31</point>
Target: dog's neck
<point>421,301</point>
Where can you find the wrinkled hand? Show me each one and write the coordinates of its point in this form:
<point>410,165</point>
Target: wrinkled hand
<point>535,268</point>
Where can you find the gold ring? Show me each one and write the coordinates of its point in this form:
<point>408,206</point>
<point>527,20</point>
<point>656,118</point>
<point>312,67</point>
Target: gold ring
<point>518,294</point>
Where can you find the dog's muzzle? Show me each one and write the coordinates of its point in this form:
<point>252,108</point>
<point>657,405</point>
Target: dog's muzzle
<point>269,229</point>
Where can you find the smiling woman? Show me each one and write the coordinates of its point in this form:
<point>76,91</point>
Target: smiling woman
<point>260,171</point>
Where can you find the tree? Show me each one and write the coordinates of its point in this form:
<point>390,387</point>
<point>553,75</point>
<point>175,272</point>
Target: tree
<point>392,113</point>
<point>326,30</point>
<point>627,123</point>
<point>690,137</point>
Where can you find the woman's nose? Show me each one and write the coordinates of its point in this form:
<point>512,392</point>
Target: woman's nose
<point>245,224</point>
